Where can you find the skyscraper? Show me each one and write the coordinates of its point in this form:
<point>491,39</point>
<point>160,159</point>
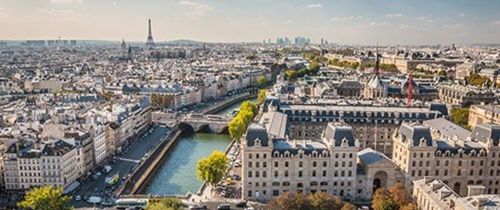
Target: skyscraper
<point>150,42</point>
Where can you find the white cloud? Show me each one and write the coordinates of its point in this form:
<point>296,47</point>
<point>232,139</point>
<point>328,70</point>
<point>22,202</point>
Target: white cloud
<point>496,22</point>
<point>461,14</point>
<point>426,19</point>
<point>398,15</point>
<point>314,5</point>
<point>406,26</point>
<point>453,26</point>
<point>115,3</point>
<point>375,24</point>
<point>66,1</point>
<point>347,18</point>
<point>196,9</point>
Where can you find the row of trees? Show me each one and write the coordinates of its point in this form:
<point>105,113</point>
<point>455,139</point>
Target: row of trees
<point>392,68</point>
<point>292,74</point>
<point>161,101</point>
<point>164,204</point>
<point>478,80</point>
<point>242,120</point>
<point>345,64</point>
<point>318,201</point>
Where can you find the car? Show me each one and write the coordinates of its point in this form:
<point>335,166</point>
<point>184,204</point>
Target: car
<point>241,204</point>
<point>224,206</point>
<point>78,198</point>
<point>197,206</point>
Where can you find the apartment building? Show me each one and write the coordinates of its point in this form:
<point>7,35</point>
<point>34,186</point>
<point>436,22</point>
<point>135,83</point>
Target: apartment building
<point>29,164</point>
<point>457,157</point>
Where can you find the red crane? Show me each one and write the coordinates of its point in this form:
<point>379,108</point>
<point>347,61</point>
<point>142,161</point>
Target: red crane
<point>409,91</point>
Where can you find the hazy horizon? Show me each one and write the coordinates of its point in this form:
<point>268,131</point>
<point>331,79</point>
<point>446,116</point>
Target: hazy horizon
<point>347,22</point>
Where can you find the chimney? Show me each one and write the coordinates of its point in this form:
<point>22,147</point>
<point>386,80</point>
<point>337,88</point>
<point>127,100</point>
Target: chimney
<point>473,190</point>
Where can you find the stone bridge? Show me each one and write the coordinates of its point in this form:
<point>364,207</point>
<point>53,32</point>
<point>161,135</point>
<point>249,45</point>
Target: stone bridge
<point>207,122</point>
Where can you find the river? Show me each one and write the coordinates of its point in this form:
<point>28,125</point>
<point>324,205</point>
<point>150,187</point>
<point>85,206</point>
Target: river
<point>177,174</point>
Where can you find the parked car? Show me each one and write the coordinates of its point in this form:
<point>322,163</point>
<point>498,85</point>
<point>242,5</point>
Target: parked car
<point>224,206</point>
<point>197,206</point>
<point>241,204</point>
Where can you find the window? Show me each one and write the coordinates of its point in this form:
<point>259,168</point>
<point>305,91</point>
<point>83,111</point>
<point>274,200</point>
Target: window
<point>314,163</point>
<point>324,164</point>
<point>276,164</point>
<point>250,157</point>
<point>459,163</point>
<point>286,173</point>
<point>300,173</point>
<point>324,173</point>
<point>300,164</point>
<point>249,164</point>
<point>275,173</point>
<point>314,173</point>
<point>257,155</point>
<point>264,164</point>
<point>257,164</point>
<point>300,185</point>
<point>249,174</point>
<point>286,163</point>
<point>264,174</point>
<point>276,192</point>
<point>249,193</point>
<point>257,174</point>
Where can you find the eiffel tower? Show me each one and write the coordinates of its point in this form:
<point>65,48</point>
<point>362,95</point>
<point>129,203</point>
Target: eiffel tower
<point>150,42</point>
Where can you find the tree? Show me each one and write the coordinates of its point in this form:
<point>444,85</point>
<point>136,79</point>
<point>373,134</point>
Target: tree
<point>348,206</point>
<point>325,201</point>
<point>165,203</point>
<point>239,123</point>
<point>290,201</point>
<point>399,194</point>
<point>291,75</point>
<point>393,199</point>
<point>45,198</point>
<point>261,81</point>
<point>460,116</point>
<point>477,80</point>
<point>261,97</point>
<point>212,168</point>
<point>443,74</point>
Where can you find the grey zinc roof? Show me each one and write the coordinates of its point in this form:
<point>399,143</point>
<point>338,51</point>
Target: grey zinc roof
<point>256,131</point>
<point>338,132</point>
<point>275,123</point>
<point>448,128</point>
<point>483,132</point>
<point>369,156</point>
<point>282,145</point>
<point>414,132</point>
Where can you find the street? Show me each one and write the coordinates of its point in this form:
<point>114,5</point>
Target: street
<point>122,164</point>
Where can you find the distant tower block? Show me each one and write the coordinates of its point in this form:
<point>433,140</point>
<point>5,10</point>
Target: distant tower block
<point>150,42</point>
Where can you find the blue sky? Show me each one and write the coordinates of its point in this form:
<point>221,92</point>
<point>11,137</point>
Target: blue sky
<point>340,21</point>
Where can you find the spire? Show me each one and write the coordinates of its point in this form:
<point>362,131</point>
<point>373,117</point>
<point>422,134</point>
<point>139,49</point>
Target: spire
<point>377,62</point>
<point>150,41</point>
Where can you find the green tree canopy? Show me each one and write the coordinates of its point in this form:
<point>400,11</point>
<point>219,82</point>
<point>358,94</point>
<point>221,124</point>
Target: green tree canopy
<point>261,97</point>
<point>261,81</point>
<point>239,123</point>
<point>165,204</point>
<point>477,80</point>
<point>460,116</point>
<point>212,168</point>
<point>45,198</point>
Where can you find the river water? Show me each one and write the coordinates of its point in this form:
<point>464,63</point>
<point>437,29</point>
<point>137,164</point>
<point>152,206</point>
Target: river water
<point>177,174</point>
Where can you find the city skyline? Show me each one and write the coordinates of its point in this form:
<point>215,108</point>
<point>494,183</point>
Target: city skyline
<point>346,22</point>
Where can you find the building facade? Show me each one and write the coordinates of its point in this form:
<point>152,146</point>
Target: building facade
<point>30,165</point>
<point>458,162</point>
